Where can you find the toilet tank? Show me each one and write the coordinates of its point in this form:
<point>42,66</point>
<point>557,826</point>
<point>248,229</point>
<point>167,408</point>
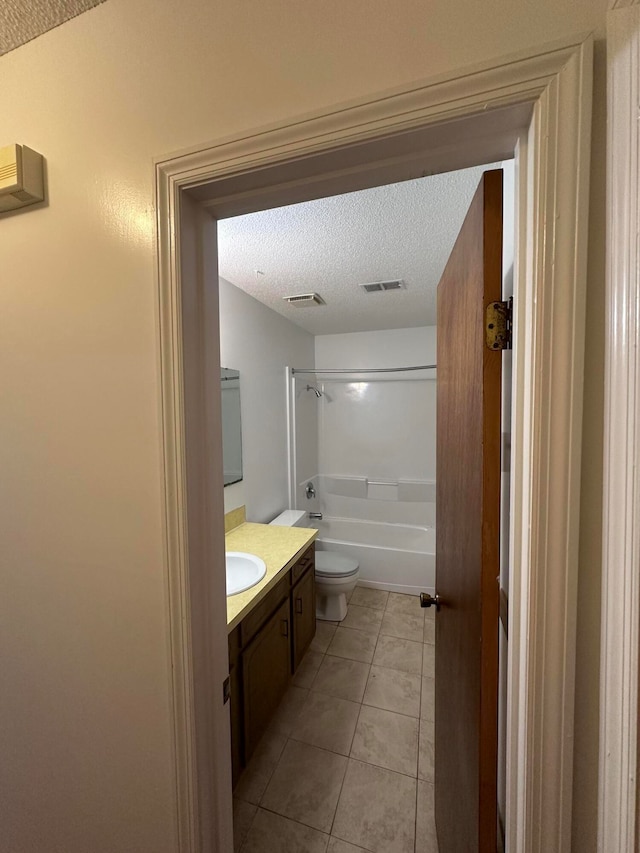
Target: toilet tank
<point>292,518</point>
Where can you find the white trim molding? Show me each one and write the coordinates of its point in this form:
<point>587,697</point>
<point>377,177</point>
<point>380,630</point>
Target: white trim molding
<point>621,523</point>
<point>535,104</point>
<point>550,305</point>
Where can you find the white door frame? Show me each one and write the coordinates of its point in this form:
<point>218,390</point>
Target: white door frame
<point>537,104</point>
<point>617,807</point>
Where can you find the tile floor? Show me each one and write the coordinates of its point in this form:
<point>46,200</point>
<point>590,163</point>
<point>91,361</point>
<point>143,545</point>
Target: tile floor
<point>347,764</point>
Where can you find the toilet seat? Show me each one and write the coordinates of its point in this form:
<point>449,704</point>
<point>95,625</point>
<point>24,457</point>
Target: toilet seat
<point>331,564</point>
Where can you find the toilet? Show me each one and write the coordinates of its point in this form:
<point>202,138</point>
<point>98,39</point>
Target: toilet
<point>336,573</point>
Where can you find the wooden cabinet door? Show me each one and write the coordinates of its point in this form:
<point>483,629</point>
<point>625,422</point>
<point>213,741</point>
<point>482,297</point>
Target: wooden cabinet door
<point>235,705</point>
<point>235,710</point>
<point>266,672</point>
<point>303,607</point>
<point>467,533</point>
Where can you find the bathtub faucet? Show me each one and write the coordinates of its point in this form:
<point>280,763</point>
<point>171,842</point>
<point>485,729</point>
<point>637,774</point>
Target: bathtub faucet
<point>316,515</point>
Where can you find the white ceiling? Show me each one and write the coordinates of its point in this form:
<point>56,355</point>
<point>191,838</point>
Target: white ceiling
<point>332,245</point>
<point>23,20</point>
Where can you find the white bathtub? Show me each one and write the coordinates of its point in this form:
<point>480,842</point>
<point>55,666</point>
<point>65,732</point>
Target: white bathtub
<point>397,557</point>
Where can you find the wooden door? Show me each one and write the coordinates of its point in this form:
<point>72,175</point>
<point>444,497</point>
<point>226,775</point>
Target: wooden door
<point>467,533</point>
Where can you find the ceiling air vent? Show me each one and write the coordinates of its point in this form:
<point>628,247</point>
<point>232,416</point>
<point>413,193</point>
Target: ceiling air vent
<point>377,286</point>
<point>305,299</point>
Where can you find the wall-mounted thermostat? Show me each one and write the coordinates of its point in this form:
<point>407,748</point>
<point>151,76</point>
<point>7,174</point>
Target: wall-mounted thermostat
<point>21,177</point>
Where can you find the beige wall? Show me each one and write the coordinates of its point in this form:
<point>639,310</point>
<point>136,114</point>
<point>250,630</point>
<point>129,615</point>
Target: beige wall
<point>84,705</point>
<point>260,344</point>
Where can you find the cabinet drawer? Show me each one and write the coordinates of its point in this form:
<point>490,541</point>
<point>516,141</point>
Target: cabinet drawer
<point>307,561</point>
<point>252,623</point>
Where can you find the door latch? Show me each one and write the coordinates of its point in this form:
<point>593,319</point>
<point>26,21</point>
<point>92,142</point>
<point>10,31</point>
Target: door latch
<point>427,600</point>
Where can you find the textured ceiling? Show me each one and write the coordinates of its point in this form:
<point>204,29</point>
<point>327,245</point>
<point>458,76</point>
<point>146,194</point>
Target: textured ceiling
<point>23,20</point>
<point>332,245</point>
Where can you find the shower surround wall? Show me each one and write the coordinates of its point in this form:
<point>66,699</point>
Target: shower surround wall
<point>378,426</point>
<point>376,454</point>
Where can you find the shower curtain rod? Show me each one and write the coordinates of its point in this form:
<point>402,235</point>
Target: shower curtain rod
<point>315,370</point>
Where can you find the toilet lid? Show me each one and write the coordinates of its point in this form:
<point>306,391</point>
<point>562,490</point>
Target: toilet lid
<point>331,564</point>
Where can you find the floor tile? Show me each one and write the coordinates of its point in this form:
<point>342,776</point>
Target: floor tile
<point>426,752</point>
<point>324,635</point>
<point>353,644</point>
<point>243,814</point>
<point>396,653</point>
<point>338,846</point>
<point>429,661</point>
<point>327,722</point>
<point>370,597</point>
<point>363,618</point>
<point>409,627</point>
<point>306,785</point>
<point>291,798</point>
<point>398,602</point>
<point>429,629</point>
<point>271,833</point>
<point>427,703</point>
<point>426,839</point>
<point>255,778</point>
<point>387,739</point>
<point>377,809</point>
<point>343,678</point>
<point>308,669</point>
<point>393,690</point>
<point>285,717</point>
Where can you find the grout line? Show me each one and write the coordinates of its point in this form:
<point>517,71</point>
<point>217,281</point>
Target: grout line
<point>275,767</point>
<point>295,820</point>
<point>385,769</point>
<point>345,772</point>
<point>251,822</point>
<point>415,821</point>
<point>353,736</point>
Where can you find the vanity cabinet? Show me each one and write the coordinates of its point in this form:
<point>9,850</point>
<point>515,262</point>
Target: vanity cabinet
<point>265,650</point>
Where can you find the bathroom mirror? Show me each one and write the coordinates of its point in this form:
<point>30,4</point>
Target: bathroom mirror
<point>231,427</point>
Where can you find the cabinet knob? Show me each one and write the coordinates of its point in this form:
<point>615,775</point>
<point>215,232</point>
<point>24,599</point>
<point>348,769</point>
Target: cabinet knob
<point>284,628</point>
<point>298,605</point>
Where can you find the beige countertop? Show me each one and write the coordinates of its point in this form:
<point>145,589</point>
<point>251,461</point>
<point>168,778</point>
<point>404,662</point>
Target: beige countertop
<point>279,547</point>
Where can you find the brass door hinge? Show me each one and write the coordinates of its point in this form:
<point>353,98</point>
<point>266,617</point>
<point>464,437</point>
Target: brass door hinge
<point>498,324</point>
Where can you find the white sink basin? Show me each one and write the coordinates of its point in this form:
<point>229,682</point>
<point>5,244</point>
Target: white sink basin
<point>243,571</point>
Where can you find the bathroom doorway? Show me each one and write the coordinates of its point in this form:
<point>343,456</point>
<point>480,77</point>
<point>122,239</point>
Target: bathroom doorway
<point>354,438</point>
<point>225,181</point>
